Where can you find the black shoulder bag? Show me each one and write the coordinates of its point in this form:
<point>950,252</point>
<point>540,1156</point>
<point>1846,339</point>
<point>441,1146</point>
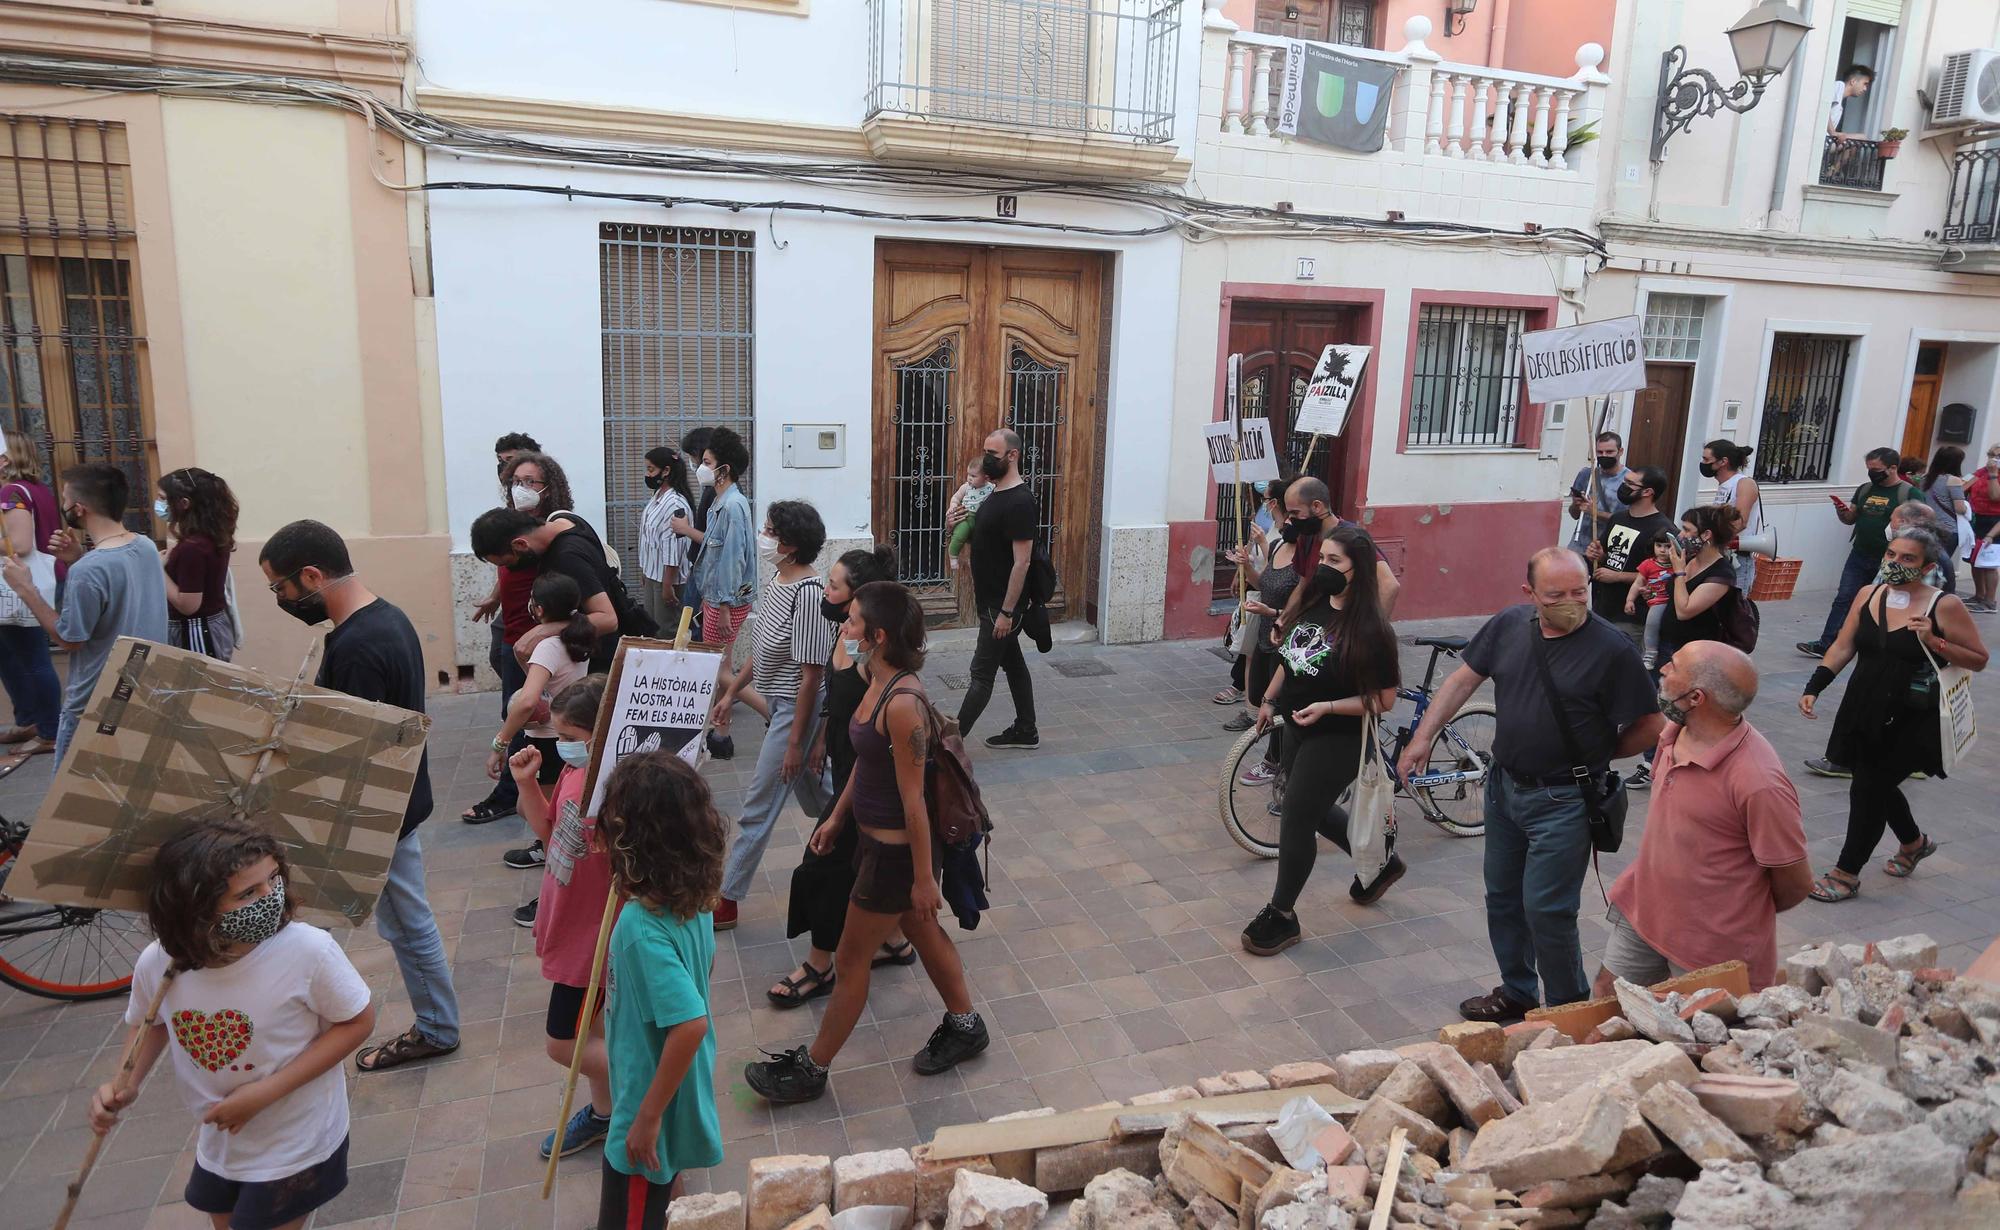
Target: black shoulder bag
<point>1605,801</point>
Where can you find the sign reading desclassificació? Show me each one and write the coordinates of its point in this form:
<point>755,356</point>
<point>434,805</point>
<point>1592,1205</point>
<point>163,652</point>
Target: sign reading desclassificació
<point>1586,360</point>
<point>1246,456</point>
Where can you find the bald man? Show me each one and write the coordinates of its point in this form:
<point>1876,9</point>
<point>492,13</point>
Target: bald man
<point>1724,852</point>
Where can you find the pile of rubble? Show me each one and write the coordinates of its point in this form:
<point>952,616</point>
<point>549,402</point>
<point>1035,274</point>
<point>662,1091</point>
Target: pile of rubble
<point>1861,1092</point>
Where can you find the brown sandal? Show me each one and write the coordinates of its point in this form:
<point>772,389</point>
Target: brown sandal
<point>1905,861</point>
<point>399,1050</point>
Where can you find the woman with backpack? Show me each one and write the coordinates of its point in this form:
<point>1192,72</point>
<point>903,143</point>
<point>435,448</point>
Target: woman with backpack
<point>896,868</point>
<point>1703,601</point>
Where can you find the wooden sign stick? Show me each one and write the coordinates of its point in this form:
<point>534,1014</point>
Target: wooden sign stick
<point>611,904</point>
<point>1311,444</point>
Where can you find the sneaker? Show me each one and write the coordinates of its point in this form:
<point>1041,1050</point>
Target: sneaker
<point>524,916</point>
<point>527,858</point>
<point>1811,649</point>
<point>1639,778</point>
<point>786,1077</point>
<point>1370,894</point>
<point>1263,773</point>
<point>1826,768</point>
<point>583,1130</point>
<point>1015,739</point>
<point>1271,932</point>
<point>725,915</point>
<point>1276,807</point>
<point>1499,1007</point>
<point>1240,723</point>
<point>950,1046</point>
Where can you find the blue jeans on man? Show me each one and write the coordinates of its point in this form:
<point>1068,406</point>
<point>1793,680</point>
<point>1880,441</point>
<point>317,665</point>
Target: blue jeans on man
<point>1858,571</point>
<point>404,919</point>
<point>1537,853</point>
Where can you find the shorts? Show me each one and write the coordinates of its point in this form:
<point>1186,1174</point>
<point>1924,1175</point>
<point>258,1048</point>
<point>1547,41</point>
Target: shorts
<point>270,1204</point>
<point>565,1002</point>
<point>631,1201</point>
<point>1630,957</point>
<point>885,874</point>
<point>720,624</point>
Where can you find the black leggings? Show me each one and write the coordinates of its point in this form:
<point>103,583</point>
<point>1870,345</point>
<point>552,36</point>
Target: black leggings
<point>1318,768</point>
<point>1874,801</point>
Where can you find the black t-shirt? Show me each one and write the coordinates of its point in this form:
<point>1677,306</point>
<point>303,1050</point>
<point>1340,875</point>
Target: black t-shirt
<point>577,554</point>
<point>1627,540</point>
<point>375,655</point>
<point>1597,674</point>
<point>1312,672</point>
<point>1707,626</point>
<point>1004,518</point>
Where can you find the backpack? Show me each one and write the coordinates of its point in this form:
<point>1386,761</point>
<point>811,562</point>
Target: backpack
<point>1739,621</point>
<point>951,795</point>
<point>632,618</point>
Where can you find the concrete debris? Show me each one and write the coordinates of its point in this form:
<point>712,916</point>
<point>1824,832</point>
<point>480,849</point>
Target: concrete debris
<point>1360,1073</point>
<point>1680,1118</point>
<point>1649,1016</point>
<point>1121,1200</point>
<point>987,1202</point>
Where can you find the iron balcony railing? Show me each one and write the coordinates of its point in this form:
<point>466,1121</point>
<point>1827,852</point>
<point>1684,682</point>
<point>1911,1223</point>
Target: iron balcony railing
<point>1972,213</point>
<point>1852,164</point>
<point>1082,67</point>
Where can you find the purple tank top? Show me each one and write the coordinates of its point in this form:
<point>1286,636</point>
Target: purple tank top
<point>878,803</point>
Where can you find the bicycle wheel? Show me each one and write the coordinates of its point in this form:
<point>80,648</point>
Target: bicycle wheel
<point>1245,809</point>
<point>1465,744</point>
<point>66,952</point>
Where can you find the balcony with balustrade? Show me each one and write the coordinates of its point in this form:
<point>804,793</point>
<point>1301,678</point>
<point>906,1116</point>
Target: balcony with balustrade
<point>1461,143</point>
<point>1972,212</point>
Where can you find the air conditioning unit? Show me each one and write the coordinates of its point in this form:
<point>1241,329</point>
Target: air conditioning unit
<point>1968,89</point>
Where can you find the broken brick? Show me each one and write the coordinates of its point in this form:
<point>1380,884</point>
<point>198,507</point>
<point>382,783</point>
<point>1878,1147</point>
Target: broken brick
<point>1752,1105</point>
<point>1292,1075</point>
<point>1333,1144</point>
<point>1409,1086</point>
<point>1070,1168</point>
<point>1360,1073</point>
<point>1710,999</point>
<point>1585,1193</point>
<point>1610,1029</point>
<point>1345,1183</point>
<point>1564,1139</point>
<point>1476,1042</point>
<point>1232,1082</point>
<point>1501,1094</point>
<point>785,1188</point>
<point>1179,1093</point>
<point>1681,1119</point>
<point>1450,1072</point>
<point>1381,1117</point>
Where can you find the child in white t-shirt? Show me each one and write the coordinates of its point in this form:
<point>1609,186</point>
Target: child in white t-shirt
<point>969,496</point>
<point>259,1011</point>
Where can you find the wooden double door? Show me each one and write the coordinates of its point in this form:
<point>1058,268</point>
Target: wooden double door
<point>970,339</point>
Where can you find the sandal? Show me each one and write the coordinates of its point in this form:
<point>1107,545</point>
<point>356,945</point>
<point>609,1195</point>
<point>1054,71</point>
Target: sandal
<point>801,988</point>
<point>399,1050</point>
<point>486,811</point>
<point>895,954</point>
<point>1905,861</point>
<point>1227,696</point>
<point>1831,887</point>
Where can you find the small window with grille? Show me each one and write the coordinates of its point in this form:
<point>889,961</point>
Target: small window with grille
<point>1804,391</point>
<point>1673,327</point>
<point>1466,387</point>
<point>678,351</point>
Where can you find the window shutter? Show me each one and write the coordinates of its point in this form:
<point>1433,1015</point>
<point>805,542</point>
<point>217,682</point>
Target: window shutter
<point>63,183</point>
<point>1884,12</point>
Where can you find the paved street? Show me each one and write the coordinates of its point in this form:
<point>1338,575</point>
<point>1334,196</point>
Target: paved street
<point>1109,967</point>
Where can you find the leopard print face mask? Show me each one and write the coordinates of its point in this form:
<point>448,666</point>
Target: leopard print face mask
<point>258,921</point>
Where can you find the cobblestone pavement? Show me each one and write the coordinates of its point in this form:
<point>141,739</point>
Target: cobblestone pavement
<point>1109,967</point>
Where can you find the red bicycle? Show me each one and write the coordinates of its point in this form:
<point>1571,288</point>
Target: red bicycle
<point>61,951</point>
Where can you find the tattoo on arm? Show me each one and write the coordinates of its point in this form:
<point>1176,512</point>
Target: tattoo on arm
<point>919,742</point>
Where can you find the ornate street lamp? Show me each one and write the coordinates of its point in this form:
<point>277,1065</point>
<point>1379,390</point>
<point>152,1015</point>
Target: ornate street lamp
<point>1764,42</point>
<point>1459,10</point>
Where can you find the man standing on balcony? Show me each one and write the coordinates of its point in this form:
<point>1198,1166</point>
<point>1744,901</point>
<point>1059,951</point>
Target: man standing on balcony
<point>1854,82</point>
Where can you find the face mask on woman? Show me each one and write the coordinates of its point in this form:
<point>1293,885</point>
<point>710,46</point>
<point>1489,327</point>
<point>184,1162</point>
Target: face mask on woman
<point>526,499</point>
<point>858,651</point>
<point>1902,574</point>
<point>655,481</point>
<point>832,612</point>
<point>1332,582</point>
<point>160,509</point>
<point>705,474</point>
<point>767,546</point>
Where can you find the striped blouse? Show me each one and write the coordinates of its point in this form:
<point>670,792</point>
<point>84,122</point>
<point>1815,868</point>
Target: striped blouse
<point>660,548</point>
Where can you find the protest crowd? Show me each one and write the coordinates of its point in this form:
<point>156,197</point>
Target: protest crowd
<point>1625,667</point>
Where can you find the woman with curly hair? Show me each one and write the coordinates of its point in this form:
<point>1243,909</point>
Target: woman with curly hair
<point>200,512</point>
<point>665,843</point>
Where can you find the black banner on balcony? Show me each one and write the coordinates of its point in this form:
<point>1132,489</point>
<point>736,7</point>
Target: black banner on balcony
<point>1334,99</point>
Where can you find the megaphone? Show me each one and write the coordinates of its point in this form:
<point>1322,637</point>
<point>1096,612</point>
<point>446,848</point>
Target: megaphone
<point>1765,544</point>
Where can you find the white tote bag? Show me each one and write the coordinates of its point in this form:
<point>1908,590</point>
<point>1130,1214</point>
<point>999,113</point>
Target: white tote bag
<point>1958,721</point>
<point>42,569</point>
<point>1968,542</point>
<point>1373,818</point>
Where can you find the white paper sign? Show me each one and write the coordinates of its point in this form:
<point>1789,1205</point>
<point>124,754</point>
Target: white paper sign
<point>1293,92</point>
<point>1235,377</point>
<point>1331,391</point>
<point>1601,356</point>
<point>659,701</point>
<point>1258,462</point>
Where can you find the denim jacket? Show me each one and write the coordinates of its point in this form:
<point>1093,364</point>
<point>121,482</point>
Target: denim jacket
<point>726,573</point>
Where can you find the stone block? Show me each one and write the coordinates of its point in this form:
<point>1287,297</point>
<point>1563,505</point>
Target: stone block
<point>1865,1106</point>
<point>1409,1086</point>
<point>1498,1088</point>
<point>1382,1116</point>
<point>1708,1028</point>
<point>1456,1143</point>
<point>1662,1061</point>
<point>1280,1190</point>
<point>1476,1041</point>
<point>1360,1073</point>
<point>1910,952</point>
<point>1121,1200</point>
<point>885,1176</point>
<point>1585,1193</point>
<point>1069,1168</point>
<point>1736,1194</point>
<point>1549,1039</point>
<point>820,1218</point>
<point>1292,1075</point>
<point>706,1211</point>
<point>785,1188</point>
<point>1680,1118</point>
<point>1817,966</point>
<point>1849,1040</point>
<point>1232,1082</point>
<point>987,1202</point>
<point>1517,1038</point>
<point>1564,1139</point>
<point>1648,1015</point>
<point>1902,1172</point>
<point>1552,1073</point>
<point>1208,1213</point>
<point>1179,1093</point>
<point>1752,1105</point>
<point>1450,1072</point>
<point>934,1179</point>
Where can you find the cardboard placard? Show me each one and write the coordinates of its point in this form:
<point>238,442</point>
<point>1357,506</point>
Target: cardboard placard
<point>171,737</point>
<point>657,699</point>
<point>1599,356</point>
<point>1246,456</point>
<point>1330,393</point>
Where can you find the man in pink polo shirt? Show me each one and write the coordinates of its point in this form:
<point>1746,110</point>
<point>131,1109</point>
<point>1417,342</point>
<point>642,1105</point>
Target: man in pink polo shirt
<point>1724,851</point>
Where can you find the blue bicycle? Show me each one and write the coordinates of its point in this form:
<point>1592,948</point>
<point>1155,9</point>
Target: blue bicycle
<point>1450,792</point>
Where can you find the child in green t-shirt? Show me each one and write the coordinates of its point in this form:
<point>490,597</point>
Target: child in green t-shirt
<point>666,843</point>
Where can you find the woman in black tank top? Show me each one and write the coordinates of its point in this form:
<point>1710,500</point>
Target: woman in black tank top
<point>896,860</point>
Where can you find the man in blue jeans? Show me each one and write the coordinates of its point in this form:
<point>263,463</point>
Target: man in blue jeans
<point>1537,829</point>
<point>373,653</point>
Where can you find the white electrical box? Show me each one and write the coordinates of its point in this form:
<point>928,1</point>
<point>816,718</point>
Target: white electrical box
<point>815,446</point>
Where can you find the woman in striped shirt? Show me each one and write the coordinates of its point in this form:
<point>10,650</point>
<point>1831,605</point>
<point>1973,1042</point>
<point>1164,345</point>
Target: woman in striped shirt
<point>663,553</point>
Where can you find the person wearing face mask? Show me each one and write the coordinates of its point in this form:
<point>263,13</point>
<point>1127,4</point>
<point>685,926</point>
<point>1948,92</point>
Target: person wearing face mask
<point>115,589</point>
<point>1599,482</point>
<point>1982,496</point>
<point>1725,462</point>
<point>725,571</point>
<point>1703,603</point>
<point>518,541</point>
<point>373,653</point>
<point>1887,726</point>
<point>663,553</point>
<point>1537,823</point>
<point>1626,539</point>
<point>1943,491</point>
<point>779,680</point>
<point>28,519</point>
<point>1724,851</point>
<point>200,512</point>
<point>1337,666</point>
<point>1003,545</point>
<point>1875,501</point>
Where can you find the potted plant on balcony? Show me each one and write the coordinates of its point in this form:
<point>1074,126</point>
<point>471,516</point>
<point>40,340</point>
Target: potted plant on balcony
<point>1891,142</point>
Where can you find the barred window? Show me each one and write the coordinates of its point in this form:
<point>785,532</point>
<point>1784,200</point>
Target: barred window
<point>678,348</point>
<point>1467,387</point>
<point>1804,389</point>
<point>1673,327</point>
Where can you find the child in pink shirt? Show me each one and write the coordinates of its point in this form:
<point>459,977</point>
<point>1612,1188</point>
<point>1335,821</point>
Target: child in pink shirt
<point>1655,575</point>
<point>576,880</point>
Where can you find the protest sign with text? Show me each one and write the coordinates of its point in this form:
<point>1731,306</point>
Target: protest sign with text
<point>658,700</point>
<point>1600,356</point>
<point>1330,393</point>
<point>1248,456</point>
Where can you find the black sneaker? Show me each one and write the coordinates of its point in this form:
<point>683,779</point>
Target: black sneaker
<point>1499,1007</point>
<point>1827,768</point>
<point>721,747</point>
<point>524,916</point>
<point>1270,933</point>
<point>1015,739</point>
<point>790,1076</point>
<point>950,1046</point>
<point>527,858</point>
<point>1392,871</point>
<point>1811,649</point>
<point>1639,778</point>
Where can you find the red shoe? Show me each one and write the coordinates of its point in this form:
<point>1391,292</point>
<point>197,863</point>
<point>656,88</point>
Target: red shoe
<point>725,915</point>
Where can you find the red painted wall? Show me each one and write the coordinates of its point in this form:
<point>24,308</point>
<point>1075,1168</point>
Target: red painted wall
<point>1461,559</point>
